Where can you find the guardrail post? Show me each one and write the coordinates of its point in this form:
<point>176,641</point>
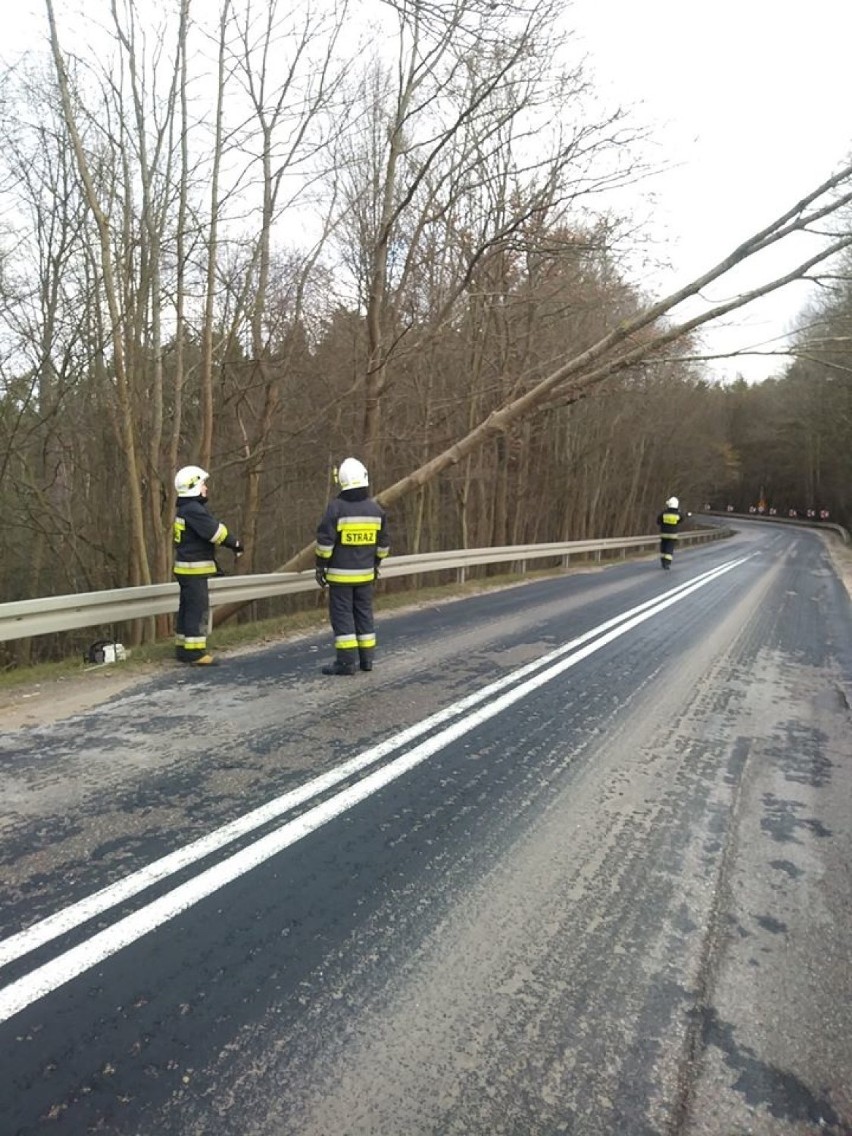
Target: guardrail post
<point>461,575</point>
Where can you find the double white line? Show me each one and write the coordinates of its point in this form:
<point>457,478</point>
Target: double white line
<point>464,715</point>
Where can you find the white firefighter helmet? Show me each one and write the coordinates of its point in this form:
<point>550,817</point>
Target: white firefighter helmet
<point>672,503</point>
<point>352,474</point>
<point>189,480</point>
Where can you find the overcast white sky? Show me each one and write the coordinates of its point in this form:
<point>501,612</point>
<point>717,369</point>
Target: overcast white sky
<point>752,99</point>
<point>749,101</point>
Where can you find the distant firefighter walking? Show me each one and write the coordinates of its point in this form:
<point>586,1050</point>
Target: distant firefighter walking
<point>352,542</point>
<point>668,522</point>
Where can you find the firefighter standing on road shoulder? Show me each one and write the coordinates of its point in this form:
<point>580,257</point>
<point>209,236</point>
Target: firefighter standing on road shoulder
<point>668,522</point>
<point>352,541</point>
<point>197,535</point>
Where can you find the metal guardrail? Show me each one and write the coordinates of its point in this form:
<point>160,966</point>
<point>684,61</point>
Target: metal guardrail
<point>23,619</point>
<point>802,522</point>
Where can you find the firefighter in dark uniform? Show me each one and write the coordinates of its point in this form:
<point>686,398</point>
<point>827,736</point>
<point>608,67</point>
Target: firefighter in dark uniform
<point>197,535</point>
<point>667,523</point>
<point>352,541</point>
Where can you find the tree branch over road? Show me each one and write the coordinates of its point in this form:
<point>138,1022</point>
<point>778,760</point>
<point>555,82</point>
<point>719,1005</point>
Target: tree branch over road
<point>616,352</point>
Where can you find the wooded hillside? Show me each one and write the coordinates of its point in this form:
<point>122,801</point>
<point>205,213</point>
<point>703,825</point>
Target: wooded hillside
<point>266,241</point>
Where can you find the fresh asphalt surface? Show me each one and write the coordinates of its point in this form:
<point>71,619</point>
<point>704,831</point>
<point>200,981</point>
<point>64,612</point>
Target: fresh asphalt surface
<point>609,894</point>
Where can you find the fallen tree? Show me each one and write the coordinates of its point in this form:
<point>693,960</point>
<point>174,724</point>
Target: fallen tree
<point>638,339</point>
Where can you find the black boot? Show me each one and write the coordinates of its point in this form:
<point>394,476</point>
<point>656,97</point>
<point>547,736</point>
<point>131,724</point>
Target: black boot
<point>339,669</point>
<point>365,655</point>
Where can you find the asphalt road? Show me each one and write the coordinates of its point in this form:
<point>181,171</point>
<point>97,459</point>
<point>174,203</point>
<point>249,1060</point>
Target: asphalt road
<point>575,858</point>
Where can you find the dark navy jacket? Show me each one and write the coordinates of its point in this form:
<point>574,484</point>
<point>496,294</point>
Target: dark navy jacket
<point>668,522</point>
<point>197,535</point>
<point>352,538</point>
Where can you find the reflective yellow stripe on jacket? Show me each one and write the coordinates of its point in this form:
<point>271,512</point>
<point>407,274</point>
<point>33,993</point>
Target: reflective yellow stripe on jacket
<point>350,575</point>
<point>195,568</point>
<point>179,528</point>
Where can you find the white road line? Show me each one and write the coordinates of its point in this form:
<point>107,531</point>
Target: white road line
<point>44,979</point>
<point>96,904</point>
<point>80,912</point>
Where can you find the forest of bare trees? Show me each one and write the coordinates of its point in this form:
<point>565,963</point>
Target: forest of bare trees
<point>791,437</point>
<point>265,237</point>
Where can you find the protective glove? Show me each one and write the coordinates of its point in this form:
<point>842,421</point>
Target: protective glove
<point>320,575</point>
<point>376,570</point>
<point>239,548</point>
